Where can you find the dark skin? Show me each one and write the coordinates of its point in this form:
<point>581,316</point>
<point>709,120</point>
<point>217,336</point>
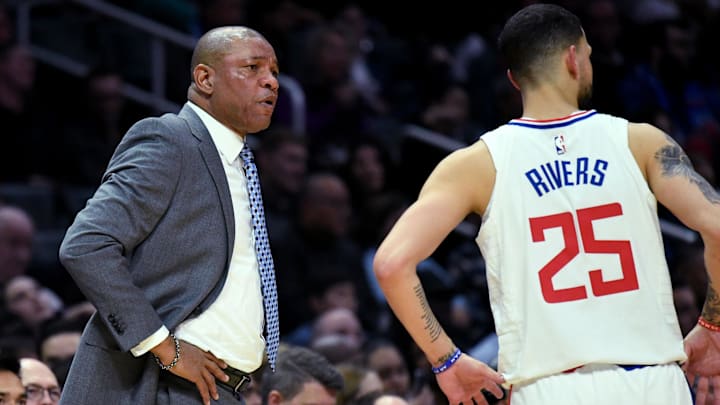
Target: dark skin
<point>235,80</point>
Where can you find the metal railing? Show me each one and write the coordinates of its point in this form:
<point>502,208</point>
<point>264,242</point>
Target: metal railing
<point>160,36</point>
<point>156,98</point>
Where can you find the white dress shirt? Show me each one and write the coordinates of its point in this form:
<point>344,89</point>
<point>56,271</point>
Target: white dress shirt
<point>232,326</point>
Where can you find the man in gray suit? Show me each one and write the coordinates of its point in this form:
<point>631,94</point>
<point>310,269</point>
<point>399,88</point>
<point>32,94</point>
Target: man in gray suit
<point>165,249</point>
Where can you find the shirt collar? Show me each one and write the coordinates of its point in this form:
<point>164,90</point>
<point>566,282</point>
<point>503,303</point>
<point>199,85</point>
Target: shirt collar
<point>227,142</point>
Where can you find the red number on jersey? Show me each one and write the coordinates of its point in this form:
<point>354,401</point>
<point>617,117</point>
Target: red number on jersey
<point>566,223</point>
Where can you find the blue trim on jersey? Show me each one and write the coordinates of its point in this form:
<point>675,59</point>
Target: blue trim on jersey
<point>549,125</point>
<point>630,367</point>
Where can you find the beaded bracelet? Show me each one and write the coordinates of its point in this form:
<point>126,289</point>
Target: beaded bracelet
<point>174,360</point>
<point>705,324</point>
<point>449,362</point>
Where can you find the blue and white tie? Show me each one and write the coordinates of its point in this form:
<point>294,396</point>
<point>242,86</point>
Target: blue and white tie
<point>265,260</point>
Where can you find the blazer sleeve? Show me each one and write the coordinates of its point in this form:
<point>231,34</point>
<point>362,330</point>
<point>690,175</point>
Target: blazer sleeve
<point>136,190</point>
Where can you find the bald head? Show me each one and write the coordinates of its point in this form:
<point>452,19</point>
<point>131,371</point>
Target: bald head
<point>321,185</point>
<point>14,215</point>
<point>214,44</point>
<point>16,237</point>
<point>388,399</point>
<point>341,321</point>
<point>40,382</point>
<point>34,371</point>
<point>235,78</point>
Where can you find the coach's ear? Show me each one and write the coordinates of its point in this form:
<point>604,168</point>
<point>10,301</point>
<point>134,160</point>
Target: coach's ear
<point>203,78</point>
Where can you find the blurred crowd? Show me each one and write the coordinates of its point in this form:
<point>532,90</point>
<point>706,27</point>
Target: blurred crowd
<point>333,190</point>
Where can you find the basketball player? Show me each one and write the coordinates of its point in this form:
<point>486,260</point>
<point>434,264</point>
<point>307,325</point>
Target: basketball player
<point>579,286</point>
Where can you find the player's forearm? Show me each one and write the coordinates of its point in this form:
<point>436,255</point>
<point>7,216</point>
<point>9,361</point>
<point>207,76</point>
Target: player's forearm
<point>406,297</point>
<point>711,307</point>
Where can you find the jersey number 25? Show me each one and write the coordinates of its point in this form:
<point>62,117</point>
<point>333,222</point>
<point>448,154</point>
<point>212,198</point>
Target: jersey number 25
<point>566,223</point>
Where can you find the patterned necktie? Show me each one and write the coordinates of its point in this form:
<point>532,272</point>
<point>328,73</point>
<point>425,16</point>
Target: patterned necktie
<point>265,261</point>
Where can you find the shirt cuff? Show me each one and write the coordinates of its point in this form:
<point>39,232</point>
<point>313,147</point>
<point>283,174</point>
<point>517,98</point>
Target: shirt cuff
<point>150,342</point>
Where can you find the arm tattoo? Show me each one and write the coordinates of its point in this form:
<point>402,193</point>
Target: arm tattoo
<point>675,162</point>
<point>446,357</point>
<point>711,309</point>
<point>431,323</point>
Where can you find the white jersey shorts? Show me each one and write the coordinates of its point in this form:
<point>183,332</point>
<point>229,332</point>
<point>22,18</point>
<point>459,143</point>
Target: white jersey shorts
<point>607,384</point>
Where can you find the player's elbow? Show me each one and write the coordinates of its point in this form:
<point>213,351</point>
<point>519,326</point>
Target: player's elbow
<point>711,234</point>
<point>388,265</point>
<point>709,228</point>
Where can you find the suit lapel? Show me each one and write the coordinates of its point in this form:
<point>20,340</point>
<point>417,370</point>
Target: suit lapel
<point>210,155</point>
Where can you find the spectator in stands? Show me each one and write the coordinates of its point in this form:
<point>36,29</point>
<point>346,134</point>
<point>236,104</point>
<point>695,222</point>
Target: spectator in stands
<point>16,242</point>
<point>368,170</point>
<point>285,23</point>
<point>378,398</point>
<point>359,382</point>
<point>12,391</point>
<point>336,112</point>
<point>282,158</point>
<point>327,290</point>
<point>22,118</point>
<point>41,384</point>
<point>302,376</point>
<point>318,245</point>
<point>386,399</point>
<point>448,114</point>
<point>380,217</point>
<point>371,63</point>
<point>21,345</point>
<point>424,389</point>
<point>338,321</point>
<point>667,80</point>
<point>386,359</point>
<point>604,30</point>
<point>470,313</point>
<point>689,268</point>
<point>338,335</point>
<point>251,395</point>
<point>399,378</point>
<point>91,133</point>
<point>368,173</point>
<point>686,305</point>
<point>58,342</point>
<point>29,306</point>
<point>7,25</point>
<point>220,13</point>
<point>645,12</point>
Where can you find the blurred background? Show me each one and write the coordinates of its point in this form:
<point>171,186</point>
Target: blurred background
<point>372,96</point>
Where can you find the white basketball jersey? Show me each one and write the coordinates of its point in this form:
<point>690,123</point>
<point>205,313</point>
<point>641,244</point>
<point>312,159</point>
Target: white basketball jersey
<point>575,259</point>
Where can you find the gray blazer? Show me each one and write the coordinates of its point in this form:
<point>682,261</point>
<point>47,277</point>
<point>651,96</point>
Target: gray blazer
<point>150,248</point>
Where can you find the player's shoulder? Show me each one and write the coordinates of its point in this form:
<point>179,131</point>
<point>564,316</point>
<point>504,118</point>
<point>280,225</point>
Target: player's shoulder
<point>499,131</point>
<point>472,151</point>
<point>471,159</point>
<point>647,133</point>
